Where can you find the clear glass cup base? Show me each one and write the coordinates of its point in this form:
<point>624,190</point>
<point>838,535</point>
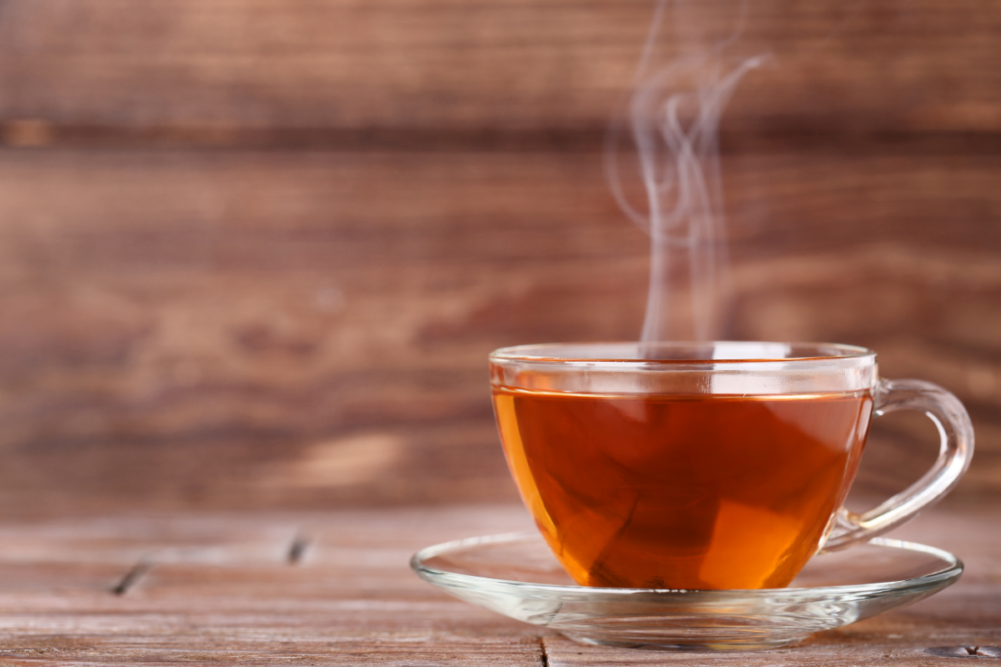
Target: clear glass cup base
<point>516,575</point>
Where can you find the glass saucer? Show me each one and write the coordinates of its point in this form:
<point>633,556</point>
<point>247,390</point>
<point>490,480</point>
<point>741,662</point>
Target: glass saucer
<point>516,575</point>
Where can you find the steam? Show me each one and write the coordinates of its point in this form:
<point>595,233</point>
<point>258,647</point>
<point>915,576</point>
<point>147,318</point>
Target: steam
<point>673,118</point>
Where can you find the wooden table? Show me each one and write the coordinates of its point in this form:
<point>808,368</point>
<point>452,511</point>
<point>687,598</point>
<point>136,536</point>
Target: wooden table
<point>253,255</point>
<point>334,587</point>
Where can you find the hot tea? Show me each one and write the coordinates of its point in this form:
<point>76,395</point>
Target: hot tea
<point>676,491</point>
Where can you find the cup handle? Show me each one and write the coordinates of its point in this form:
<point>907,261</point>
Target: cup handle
<point>955,452</point>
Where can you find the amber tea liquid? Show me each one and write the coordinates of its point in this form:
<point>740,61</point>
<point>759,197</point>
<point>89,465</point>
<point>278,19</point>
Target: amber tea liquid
<point>696,492</point>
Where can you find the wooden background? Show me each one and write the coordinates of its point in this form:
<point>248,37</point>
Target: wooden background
<point>253,253</point>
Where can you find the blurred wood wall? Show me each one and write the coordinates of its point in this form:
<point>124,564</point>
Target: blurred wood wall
<point>255,252</point>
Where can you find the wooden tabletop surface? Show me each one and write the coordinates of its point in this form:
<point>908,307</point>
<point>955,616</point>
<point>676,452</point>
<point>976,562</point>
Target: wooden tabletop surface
<point>335,588</point>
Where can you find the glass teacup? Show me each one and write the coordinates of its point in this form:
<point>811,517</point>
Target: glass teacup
<point>705,465</point>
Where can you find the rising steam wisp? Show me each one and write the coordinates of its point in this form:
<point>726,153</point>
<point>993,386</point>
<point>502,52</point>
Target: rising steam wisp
<point>673,118</point>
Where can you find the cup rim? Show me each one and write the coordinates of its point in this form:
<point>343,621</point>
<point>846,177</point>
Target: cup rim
<point>658,354</point>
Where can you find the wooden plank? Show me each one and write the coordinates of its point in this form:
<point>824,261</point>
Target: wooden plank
<point>561,652</point>
<point>127,540</point>
<point>353,600</point>
<point>928,632</point>
<point>54,575</point>
<point>217,590</point>
<point>400,651</point>
<point>208,70</point>
<point>253,328</point>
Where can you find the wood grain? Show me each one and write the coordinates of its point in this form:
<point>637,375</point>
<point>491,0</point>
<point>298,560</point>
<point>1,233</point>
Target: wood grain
<point>254,253</point>
<point>230,328</point>
<point>219,589</point>
<point>209,70</point>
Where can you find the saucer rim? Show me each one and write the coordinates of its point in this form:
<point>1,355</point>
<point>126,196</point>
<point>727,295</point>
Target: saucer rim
<point>950,573</point>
